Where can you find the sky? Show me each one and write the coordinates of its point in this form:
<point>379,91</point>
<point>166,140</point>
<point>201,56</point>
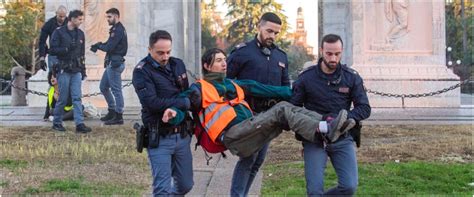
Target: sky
<point>310,12</point>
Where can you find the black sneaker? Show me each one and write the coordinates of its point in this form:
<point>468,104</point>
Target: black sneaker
<point>82,128</point>
<point>117,120</point>
<point>59,127</point>
<point>110,115</point>
<point>334,127</point>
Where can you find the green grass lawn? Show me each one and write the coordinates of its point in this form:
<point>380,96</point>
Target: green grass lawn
<point>411,178</point>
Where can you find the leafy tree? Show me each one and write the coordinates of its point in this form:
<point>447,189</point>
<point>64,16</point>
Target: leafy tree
<point>207,39</point>
<point>19,32</point>
<point>297,57</point>
<point>244,15</point>
<point>460,37</point>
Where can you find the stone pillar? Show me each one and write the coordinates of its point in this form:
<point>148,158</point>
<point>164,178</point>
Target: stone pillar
<point>140,18</point>
<point>18,96</point>
<point>398,47</point>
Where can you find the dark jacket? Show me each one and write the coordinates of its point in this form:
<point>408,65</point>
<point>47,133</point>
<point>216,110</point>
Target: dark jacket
<point>249,61</point>
<point>157,88</point>
<point>69,47</point>
<point>46,31</point>
<point>117,43</point>
<point>328,94</point>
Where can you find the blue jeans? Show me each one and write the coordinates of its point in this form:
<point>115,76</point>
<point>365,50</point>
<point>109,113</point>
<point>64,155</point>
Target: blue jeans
<point>245,171</point>
<point>69,84</point>
<point>343,158</point>
<point>172,165</point>
<point>51,61</point>
<point>111,80</point>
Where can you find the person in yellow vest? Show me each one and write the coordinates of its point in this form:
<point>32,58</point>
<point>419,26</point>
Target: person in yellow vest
<point>53,95</point>
<point>219,104</point>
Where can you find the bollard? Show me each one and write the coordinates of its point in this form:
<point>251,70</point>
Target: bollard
<point>18,95</point>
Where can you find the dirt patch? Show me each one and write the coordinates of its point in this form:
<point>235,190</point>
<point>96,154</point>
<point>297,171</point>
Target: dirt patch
<point>445,143</point>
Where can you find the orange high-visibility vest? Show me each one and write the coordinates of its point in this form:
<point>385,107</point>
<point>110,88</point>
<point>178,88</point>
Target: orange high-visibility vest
<point>217,113</point>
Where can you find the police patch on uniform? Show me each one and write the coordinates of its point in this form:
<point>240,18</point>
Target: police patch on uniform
<point>281,64</point>
<point>183,76</point>
<point>112,34</point>
<point>344,90</point>
<point>140,65</point>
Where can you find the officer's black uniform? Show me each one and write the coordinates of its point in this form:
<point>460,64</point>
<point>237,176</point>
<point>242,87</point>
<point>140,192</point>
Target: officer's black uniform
<point>253,61</point>
<point>47,31</point>
<point>328,94</point>
<point>69,47</point>
<point>157,89</point>
<point>117,45</point>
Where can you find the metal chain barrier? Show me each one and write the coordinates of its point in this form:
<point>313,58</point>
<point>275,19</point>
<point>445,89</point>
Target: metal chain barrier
<point>403,96</point>
<point>46,95</point>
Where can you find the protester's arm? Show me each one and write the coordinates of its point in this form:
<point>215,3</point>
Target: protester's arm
<point>256,89</point>
<point>148,97</point>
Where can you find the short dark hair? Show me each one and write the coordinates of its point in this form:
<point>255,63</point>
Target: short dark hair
<point>75,14</point>
<point>209,56</point>
<point>113,11</point>
<point>331,38</point>
<point>159,34</point>
<point>270,16</point>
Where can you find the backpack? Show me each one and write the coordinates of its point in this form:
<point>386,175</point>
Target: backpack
<point>206,143</point>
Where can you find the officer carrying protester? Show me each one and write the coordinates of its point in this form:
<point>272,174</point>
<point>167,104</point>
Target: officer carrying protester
<point>111,83</point>
<point>327,88</point>
<point>158,79</point>
<point>46,31</point>
<point>68,44</point>
<point>260,60</point>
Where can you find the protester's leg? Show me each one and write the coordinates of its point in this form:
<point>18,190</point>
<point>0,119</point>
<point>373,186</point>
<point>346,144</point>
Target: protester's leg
<point>160,162</point>
<point>76,94</point>
<point>64,80</point>
<point>105,89</point>
<point>252,134</point>
<point>256,166</point>
<point>315,159</point>
<point>115,81</point>
<point>343,158</point>
<point>241,175</point>
<point>182,166</point>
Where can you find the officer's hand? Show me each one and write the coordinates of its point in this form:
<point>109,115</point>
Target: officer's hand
<point>95,47</point>
<point>168,115</point>
<point>43,65</point>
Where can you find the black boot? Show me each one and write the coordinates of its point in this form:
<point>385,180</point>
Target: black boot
<point>117,120</point>
<point>82,128</point>
<point>110,115</point>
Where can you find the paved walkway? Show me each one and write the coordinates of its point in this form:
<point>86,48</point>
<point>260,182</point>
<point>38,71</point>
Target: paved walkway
<point>214,179</point>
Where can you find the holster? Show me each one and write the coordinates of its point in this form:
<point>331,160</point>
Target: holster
<point>141,137</point>
<point>355,133</point>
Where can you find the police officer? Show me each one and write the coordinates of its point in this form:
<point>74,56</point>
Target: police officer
<point>327,88</point>
<point>46,31</point>
<point>116,48</point>
<point>158,79</point>
<point>68,44</point>
<point>260,60</point>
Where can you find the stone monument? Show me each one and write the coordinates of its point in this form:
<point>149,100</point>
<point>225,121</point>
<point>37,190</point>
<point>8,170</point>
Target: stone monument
<point>140,18</point>
<point>397,46</point>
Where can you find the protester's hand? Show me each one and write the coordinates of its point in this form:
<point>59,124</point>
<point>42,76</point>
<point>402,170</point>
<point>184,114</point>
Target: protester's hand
<point>168,115</point>
<point>42,64</point>
<point>84,77</point>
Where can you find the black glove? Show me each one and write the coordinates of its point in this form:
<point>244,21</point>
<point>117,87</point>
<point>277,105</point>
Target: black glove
<point>43,65</point>
<point>95,47</point>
